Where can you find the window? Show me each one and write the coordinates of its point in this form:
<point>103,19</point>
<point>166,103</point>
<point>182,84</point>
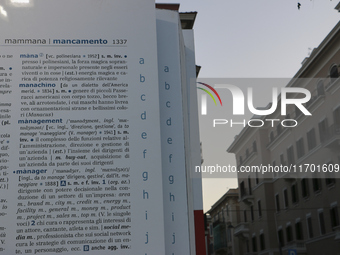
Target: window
<point>316,185</point>
<point>304,187</point>
<point>252,213</point>
<point>259,208</point>
<point>334,216</point>
<point>323,130</point>
<point>245,216</point>
<point>253,240</point>
<point>278,129</point>
<point>336,116</point>
<point>242,189</point>
<point>334,74</point>
<point>298,230</point>
<point>295,197</point>
<point>310,226</point>
<point>329,176</point>
<point>290,155</point>
<point>282,160</point>
<point>289,233</point>
<point>311,139</point>
<point>275,173</point>
<point>320,88</point>
<point>330,181</point>
<point>247,245</point>
<point>300,148</point>
<point>322,223</point>
<point>277,200</point>
<point>249,185</point>
<point>281,238</point>
<point>297,111</point>
<point>254,146</point>
<point>262,242</point>
<point>285,198</point>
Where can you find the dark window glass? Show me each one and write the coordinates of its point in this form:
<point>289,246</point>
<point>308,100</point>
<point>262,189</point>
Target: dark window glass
<point>323,130</point>
<point>322,223</point>
<point>254,244</point>
<point>334,74</point>
<point>310,227</point>
<point>295,197</point>
<point>285,197</point>
<point>290,155</point>
<point>316,184</point>
<point>311,139</point>
<point>262,242</point>
<point>259,208</point>
<point>299,231</point>
<point>277,200</point>
<point>334,217</point>
<point>320,88</point>
<point>289,233</point>
<point>300,147</point>
<point>304,188</point>
<point>281,238</point>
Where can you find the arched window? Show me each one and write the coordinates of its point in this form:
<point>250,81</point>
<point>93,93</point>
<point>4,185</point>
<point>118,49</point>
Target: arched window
<point>336,116</point>
<point>334,74</point>
<point>320,88</point>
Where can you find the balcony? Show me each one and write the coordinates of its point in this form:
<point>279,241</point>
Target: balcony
<point>332,84</point>
<point>221,247</point>
<point>246,196</point>
<point>242,230</point>
<point>331,137</point>
<point>220,238</point>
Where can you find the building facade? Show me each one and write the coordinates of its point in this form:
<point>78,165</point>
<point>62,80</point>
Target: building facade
<point>295,212</point>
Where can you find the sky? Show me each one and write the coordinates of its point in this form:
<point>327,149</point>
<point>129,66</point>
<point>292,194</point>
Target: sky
<point>252,39</point>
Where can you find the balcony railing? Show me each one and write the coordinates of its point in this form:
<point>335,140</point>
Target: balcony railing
<point>332,82</point>
<point>315,96</point>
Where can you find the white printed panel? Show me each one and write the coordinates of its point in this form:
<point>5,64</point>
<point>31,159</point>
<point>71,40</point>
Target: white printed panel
<point>171,70</point>
<point>79,138</point>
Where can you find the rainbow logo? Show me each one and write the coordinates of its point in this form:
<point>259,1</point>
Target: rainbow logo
<point>204,99</point>
<point>209,93</point>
